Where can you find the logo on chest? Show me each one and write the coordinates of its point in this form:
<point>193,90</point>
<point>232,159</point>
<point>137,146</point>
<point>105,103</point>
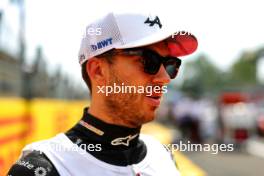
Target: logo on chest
<point>123,140</point>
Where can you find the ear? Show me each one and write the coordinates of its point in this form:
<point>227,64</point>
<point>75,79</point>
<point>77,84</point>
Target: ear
<point>97,71</point>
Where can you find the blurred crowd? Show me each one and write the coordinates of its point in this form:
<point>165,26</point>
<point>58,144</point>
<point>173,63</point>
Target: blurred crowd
<point>231,117</point>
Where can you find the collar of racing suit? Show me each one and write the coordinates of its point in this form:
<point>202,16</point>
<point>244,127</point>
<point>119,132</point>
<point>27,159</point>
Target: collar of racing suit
<point>113,144</point>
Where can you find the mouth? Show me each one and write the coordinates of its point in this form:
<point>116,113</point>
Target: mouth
<point>153,100</point>
<point>155,97</point>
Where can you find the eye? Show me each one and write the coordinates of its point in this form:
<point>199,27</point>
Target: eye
<point>141,60</point>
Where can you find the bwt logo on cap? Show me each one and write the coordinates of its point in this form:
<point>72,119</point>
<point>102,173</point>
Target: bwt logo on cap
<point>102,44</point>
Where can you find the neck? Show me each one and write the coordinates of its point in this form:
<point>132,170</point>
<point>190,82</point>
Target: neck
<point>103,114</point>
<point>109,134</point>
<point>118,145</point>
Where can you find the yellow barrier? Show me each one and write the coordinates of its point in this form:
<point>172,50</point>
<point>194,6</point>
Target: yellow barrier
<point>22,122</point>
<point>13,131</point>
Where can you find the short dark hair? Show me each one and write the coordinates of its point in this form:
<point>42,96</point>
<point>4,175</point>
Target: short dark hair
<point>86,77</point>
<point>107,57</point>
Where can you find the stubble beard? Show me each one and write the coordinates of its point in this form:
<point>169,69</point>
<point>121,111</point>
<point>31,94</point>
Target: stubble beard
<point>124,107</point>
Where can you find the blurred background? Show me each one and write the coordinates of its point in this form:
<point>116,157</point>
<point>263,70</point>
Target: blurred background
<point>218,97</point>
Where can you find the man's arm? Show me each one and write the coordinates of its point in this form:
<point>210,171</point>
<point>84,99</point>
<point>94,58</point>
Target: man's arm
<point>34,163</point>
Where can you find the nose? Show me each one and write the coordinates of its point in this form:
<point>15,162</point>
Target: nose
<point>162,77</point>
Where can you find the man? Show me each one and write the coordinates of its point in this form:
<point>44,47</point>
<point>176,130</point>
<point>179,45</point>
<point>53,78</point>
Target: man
<point>123,57</point>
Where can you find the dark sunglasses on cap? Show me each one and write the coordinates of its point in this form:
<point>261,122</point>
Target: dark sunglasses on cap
<point>151,60</point>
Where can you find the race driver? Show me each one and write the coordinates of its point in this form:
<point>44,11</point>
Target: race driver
<point>129,49</point>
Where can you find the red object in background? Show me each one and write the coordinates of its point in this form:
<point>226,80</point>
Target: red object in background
<point>261,122</point>
<point>240,135</point>
<point>261,126</point>
<point>233,97</point>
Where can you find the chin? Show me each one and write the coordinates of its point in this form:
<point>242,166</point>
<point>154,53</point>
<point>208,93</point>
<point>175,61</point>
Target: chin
<point>149,116</point>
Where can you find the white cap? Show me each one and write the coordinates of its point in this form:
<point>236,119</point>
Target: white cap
<point>131,30</point>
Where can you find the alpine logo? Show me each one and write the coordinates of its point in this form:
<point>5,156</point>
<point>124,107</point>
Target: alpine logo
<point>101,44</point>
<point>123,140</point>
<point>152,22</point>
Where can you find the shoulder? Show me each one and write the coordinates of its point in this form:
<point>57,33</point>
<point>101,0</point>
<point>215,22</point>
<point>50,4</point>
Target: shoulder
<point>158,149</point>
<point>151,141</point>
<point>154,146</point>
<point>34,163</point>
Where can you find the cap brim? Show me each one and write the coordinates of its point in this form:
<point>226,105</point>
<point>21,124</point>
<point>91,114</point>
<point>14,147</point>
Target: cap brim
<point>180,43</point>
